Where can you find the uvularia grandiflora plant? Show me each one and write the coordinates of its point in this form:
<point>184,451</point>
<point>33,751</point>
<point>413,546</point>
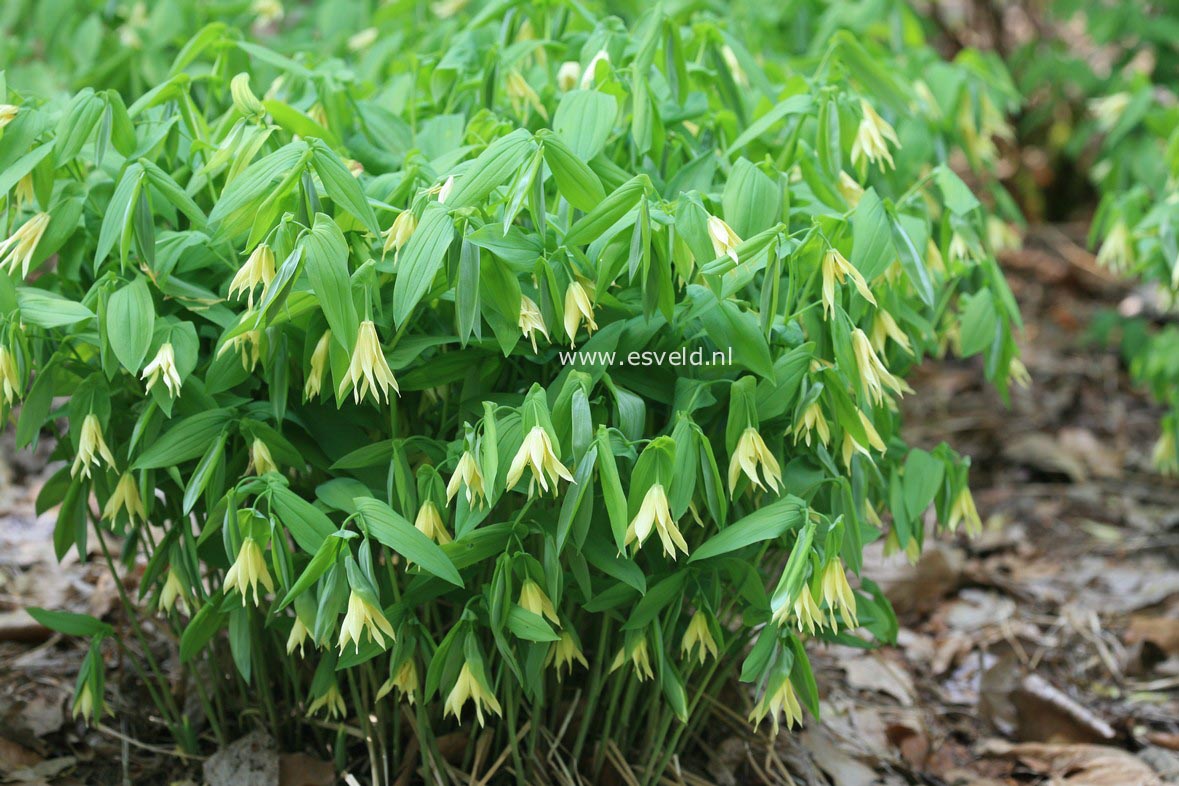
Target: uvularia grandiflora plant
<point>304,330</point>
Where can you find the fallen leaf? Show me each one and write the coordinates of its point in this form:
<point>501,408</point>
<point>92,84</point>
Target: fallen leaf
<point>872,672</point>
<point>1077,765</point>
<point>1029,708</point>
<point>1162,632</point>
<point>843,768</point>
<point>299,769</point>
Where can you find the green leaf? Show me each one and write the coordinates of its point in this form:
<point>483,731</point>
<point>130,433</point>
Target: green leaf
<point>752,202</point>
<point>201,629</point>
<point>575,181</point>
<point>872,248</point>
<point>491,169</point>
<point>530,626</point>
<point>325,556</point>
<point>766,523</point>
<point>327,270</point>
<point>979,323</point>
<point>47,309</point>
<point>656,599</point>
<point>69,623</point>
<point>116,220</point>
<point>186,440</point>
<point>584,120</point>
<point>421,259</point>
<point>959,198</point>
<point>611,210</point>
<point>343,188</point>
<point>308,525</point>
<point>923,478</point>
<point>130,321</point>
<point>387,526</point>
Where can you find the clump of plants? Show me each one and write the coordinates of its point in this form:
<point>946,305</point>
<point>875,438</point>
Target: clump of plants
<point>374,377</point>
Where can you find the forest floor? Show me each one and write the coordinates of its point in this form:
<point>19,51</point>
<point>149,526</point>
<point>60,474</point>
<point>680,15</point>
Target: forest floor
<point>1045,651</point>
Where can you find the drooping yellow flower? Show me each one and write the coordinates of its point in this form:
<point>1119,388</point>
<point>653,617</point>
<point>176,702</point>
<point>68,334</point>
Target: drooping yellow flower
<point>258,269</point>
<point>249,344</point>
<point>813,421</point>
<point>1116,252</point>
<point>851,445</point>
<point>364,616</point>
<point>724,239</point>
<point>329,700</point>
<point>960,249</point>
<point>1018,373</point>
<point>173,595</point>
<point>534,599</point>
<point>405,681</point>
<point>963,510</point>
<point>261,461</point>
<point>521,94</point>
<point>248,571</point>
<point>807,615</point>
<point>751,451</point>
<point>536,454</point>
<point>838,595</point>
<point>563,652</point>
<point>125,497</point>
<point>297,637</point>
<point>85,706</point>
<point>577,308</point>
<point>531,321</point>
<point>467,687</point>
<point>639,658</point>
<point>1165,456</point>
<point>872,138</point>
<point>782,701</point>
<point>368,370</point>
<point>467,474</point>
<point>9,377</point>
<point>698,638</point>
<point>24,193</point>
<point>363,40</point>
<point>8,113</point>
<point>91,446</point>
<point>1002,236</point>
<point>892,545</point>
<point>567,75</point>
<point>444,9</point>
<point>589,77</point>
<point>873,374</point>
<point>397,235</point>
<point>851,190</point>
<point>429,523</point>
<point>446,190</point>
<point>1108,110</point>
<point>17,251</point>
<point>655,515</point>
<point>837,269</point>
<point>885,327</point>
<point>163,366</point>
<point>319,363</point>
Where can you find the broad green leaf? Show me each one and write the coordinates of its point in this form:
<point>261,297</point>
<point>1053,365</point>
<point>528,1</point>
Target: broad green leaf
<point>387,526</point>
<point>421,259</point>
<point>327,270</point>
<point>765,523</point>
<point>584,120</point>
<point>130,322</point>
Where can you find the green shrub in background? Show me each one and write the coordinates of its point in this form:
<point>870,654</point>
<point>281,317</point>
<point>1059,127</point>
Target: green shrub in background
<point>312,323</point>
